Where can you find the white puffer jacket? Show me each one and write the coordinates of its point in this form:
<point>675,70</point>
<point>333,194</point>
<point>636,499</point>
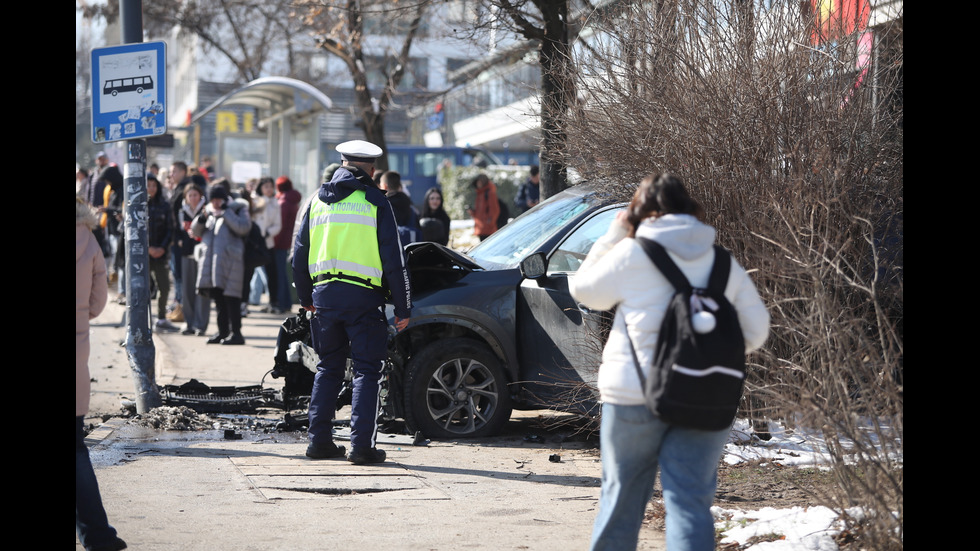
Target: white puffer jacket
<point>617,272</point>
<point>267,216</point>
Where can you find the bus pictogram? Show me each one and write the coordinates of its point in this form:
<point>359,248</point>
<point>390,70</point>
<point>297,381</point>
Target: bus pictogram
<point>138,84</point>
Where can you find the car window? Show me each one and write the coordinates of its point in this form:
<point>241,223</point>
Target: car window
<point>509,245</point>
<point>573,250</point>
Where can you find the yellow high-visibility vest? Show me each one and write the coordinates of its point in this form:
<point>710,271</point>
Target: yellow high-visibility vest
<point>344,242</point>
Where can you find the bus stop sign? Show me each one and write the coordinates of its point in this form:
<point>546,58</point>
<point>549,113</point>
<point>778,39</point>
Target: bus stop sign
<point>129,90</point>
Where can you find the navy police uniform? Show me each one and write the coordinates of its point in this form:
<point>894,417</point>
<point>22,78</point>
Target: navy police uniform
<point>346,255</point>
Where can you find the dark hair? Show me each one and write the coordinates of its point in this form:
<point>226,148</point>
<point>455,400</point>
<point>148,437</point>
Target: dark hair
<point>481,177</point>
<point>660,194</point>
<point>114,177</point>
<point>240,191</point>
<point>535,170</point>
<point>263,181</point>
<point>426,209</point>
<point>223,183</point>
<point>196,188</point>
<point>198,181</point>
<point>393,180</point>
<point>158,196</point>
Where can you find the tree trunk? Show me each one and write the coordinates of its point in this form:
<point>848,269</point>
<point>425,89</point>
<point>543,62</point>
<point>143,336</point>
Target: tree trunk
<point>556,94</point>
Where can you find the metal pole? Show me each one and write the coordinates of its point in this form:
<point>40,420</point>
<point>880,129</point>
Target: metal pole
<point>139,338</point>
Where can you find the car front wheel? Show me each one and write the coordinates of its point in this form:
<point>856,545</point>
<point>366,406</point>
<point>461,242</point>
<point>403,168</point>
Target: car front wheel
<point>456,388</point>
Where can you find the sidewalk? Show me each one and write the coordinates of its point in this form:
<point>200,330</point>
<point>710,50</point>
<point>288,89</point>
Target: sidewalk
<point>167,490</point>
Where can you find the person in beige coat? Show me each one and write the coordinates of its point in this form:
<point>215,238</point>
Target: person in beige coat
<point>91,292</point>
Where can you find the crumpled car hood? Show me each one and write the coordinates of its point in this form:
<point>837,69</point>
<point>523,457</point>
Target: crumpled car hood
<point>433,266</point>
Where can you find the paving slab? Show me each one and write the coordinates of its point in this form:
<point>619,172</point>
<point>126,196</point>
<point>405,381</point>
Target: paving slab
<point>196,490</point>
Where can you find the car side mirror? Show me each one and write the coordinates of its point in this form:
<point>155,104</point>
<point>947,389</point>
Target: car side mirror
<point>534,266</point>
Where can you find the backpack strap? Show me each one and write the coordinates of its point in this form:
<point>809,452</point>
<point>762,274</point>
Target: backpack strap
<point>658,254</point>
<point>720,270</point>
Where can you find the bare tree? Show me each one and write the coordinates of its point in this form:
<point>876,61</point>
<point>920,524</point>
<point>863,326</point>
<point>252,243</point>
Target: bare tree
<point>546,23</point>
<point>248,33</point>
<point>793,141</point>
<point>339,29</point>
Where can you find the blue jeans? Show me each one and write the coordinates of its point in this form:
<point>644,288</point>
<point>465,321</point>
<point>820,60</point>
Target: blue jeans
<point>257,286</point>
<point>175,269</point>
<point>634,444</point>
<point>91,524</point>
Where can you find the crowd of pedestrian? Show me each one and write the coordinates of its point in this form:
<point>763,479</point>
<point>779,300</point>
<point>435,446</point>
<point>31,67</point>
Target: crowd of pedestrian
<point>197,229</point>
<point>192,261</point>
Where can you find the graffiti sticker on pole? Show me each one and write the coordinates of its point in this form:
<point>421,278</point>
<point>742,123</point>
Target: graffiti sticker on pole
<point>129,90</point>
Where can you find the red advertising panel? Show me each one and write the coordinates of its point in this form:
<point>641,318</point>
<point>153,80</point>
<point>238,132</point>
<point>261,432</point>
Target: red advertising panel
<point>837,18</point>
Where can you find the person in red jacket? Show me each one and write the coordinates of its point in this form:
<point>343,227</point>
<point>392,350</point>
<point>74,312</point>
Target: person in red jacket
<point>485,209</point>
<point>280,293</point>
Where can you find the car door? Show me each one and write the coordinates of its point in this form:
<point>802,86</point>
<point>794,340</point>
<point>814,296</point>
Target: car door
<point>559,341</point>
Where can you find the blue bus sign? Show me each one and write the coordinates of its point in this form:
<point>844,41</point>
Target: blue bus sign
<point>129,89</point>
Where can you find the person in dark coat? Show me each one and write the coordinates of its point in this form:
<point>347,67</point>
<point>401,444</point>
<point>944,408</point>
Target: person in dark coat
<point>529,193</point>
<point>406,217</point>
<point>435,219</point>
<point>112,222</point>
<point>160,230</point>
<point>280,291</point>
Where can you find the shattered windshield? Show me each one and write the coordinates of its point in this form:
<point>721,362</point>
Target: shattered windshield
<point>519,238</point>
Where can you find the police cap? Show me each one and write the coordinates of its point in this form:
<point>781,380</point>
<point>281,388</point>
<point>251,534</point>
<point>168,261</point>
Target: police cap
<point>359,151</point>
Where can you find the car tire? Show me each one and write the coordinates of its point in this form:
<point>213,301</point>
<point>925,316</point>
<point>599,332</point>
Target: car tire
<point>456,388</point>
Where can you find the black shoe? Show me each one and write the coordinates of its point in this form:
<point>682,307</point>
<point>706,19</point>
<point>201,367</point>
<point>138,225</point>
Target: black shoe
<point>201,332</point>
<point>216,339</point>
<point>234,339</point>
<point>363,456</point>
<point>188,331</point>
<point>116,545</point>
<point>325,451</point>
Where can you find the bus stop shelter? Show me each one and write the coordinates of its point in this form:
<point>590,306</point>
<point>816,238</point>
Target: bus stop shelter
<point>287,113</point>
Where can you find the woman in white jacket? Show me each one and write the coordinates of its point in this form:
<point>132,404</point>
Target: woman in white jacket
<point>618,273</point>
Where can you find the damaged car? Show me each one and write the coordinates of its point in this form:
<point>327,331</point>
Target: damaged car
<point>496,329</point>
<point>492,330</point>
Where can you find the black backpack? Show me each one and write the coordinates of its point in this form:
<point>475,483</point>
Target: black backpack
<point>698,374</point>
<point>256,252</point>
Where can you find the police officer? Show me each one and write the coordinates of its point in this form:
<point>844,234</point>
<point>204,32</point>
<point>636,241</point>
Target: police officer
<point>347,254</point>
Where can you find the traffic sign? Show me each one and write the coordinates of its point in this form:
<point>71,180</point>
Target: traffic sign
<point>129,91</point>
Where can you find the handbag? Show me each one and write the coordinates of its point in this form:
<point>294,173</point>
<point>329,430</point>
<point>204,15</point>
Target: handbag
<point>256,252</point>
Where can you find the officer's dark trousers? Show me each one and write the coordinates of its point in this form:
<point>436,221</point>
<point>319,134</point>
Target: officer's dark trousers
<point>362,334</point>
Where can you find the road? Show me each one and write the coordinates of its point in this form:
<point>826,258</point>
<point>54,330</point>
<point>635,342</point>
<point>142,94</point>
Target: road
<point>532,487</point>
